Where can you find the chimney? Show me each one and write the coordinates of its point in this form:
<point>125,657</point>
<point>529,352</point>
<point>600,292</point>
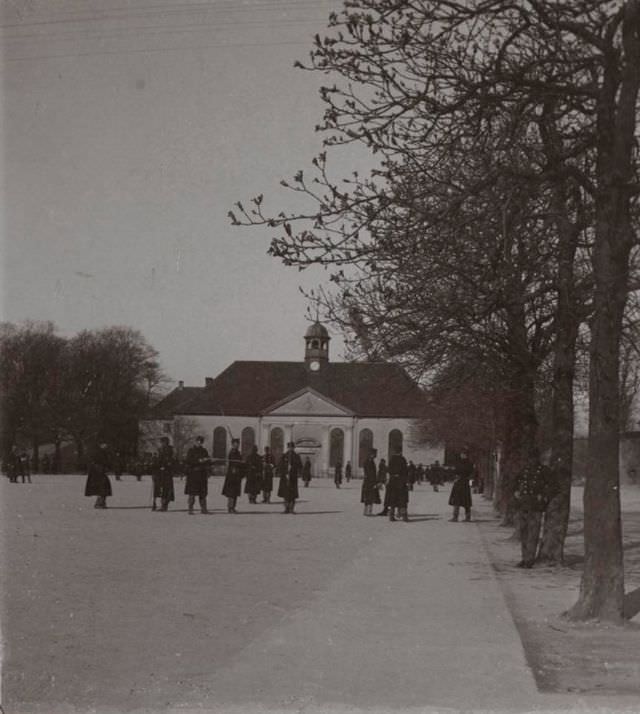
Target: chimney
<point>208,381</point>
<point>180,384</point>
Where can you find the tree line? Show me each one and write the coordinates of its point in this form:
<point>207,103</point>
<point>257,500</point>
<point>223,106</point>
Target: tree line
<point>95,385</point>
<point>492,249</point>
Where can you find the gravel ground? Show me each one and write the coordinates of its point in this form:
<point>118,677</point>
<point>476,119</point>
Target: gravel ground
<point>128,610</point>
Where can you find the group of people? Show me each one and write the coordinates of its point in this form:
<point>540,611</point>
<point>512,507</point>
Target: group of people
<point>17,465</point>
<point>258,472</point>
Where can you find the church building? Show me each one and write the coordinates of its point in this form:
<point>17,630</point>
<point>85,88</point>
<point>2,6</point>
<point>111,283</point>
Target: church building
<point>333,411</point>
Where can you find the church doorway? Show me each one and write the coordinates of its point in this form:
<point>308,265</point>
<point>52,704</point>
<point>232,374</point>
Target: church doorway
<point>310,449</point>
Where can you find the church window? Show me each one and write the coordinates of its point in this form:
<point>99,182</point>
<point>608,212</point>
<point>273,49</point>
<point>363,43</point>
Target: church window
<point>336,447</point>
<point>366,444</point>
<point>247,441</point>
<point>276,441</point>
<point>395,442</point>
<point>219,443</point>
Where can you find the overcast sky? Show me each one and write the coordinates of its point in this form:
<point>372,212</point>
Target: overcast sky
<point>130,127</point>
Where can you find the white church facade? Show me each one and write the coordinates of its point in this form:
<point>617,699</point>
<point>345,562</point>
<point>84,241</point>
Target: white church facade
<point>333,411</point>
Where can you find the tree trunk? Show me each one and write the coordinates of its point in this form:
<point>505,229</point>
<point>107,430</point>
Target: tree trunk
<point>556,519</point>
<point>602,585</point>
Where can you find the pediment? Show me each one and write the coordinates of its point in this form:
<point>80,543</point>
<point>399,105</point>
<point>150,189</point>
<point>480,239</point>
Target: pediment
<point>307,402</point>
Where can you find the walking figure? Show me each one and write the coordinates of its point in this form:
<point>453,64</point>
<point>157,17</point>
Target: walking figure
<point>369,493</point>
<point>165,466</point>
<point>24,467</point>
<point>233,480</point>
<point>337,475</point>
<point>289,468</point>
<point>98,483</point>
<point>197,483</point>
<point>347,472</point>
<point>306,472</point>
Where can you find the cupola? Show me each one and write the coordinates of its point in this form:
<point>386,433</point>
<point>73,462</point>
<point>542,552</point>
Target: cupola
<point>316,346</point>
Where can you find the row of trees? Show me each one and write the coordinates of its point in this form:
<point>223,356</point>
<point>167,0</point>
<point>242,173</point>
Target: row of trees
<point>97,384</point>
<point>495,237</point>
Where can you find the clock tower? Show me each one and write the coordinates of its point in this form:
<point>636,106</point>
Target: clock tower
<point>316,347</point>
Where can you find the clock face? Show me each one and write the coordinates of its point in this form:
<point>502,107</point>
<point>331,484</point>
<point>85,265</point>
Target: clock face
<point>314,366</point>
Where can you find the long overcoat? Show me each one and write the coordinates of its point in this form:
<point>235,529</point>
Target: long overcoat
<point>268,466</point>
<point>232,486</point>
<point>253,471</point>
<point>289,469</point>
<point>197,481</point>
<point>369,493</point>
<point>306,471</point>
<point>461,492</point>
<point>98,483</point>
<point>164,468</point>
<point>398,487</point>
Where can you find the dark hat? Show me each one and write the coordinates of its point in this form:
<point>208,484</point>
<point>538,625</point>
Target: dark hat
<point>374,452</point>
<point>291,443</point>
<point>200,439</point>
<point>235,441</point>
<point>164,439</point>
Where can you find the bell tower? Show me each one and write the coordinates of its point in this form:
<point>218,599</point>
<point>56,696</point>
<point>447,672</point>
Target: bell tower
<point>316,347</point>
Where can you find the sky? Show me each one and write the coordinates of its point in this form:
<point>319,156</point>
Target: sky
<point>129,129</point>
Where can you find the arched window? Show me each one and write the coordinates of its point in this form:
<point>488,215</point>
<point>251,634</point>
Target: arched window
<point>219,443</point>
<point>395,442</point>
<point>336,447</point>
<point>365,445</point>
<point>247,441</point>
<point>276,441</point>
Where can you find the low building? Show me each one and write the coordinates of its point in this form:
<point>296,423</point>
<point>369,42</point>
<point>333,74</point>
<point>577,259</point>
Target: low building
<point>333,411</point>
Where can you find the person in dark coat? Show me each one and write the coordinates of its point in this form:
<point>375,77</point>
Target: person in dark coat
<point>533,491</point>
<point>383,473</point>
<point>11,465</point>
<point>289,468</point>
<point>164,468</point>
<point>24,467</point>
<point>337,474</point>
<point>268,466</point>
<point>197,482</point>
<point>98,483</point>
<point>411,475</point>
<point>398,486</point>
<point>460,496</point>
<point>420,473</point>
<point>253,473</point>
<point>436,476</point>
<point>306,472</point>
<point>232,486</point>
<point>347,472</point>
<point>369,493</point>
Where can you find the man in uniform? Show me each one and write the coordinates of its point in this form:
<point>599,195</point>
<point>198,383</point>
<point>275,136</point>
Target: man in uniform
<point>532,495</point>
<point>398,486</point>
<point>233,480</point>
<point>460,496</point>
<point>289,468</point>
<point>268,465</point>
<point>165,465</point>
<point>253,472</point>
<point>98,483</point>
<point>337,474</point>
<point>197,483</point>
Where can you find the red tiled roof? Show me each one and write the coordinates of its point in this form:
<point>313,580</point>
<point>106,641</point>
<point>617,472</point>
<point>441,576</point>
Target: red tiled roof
<point>369,389</point>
